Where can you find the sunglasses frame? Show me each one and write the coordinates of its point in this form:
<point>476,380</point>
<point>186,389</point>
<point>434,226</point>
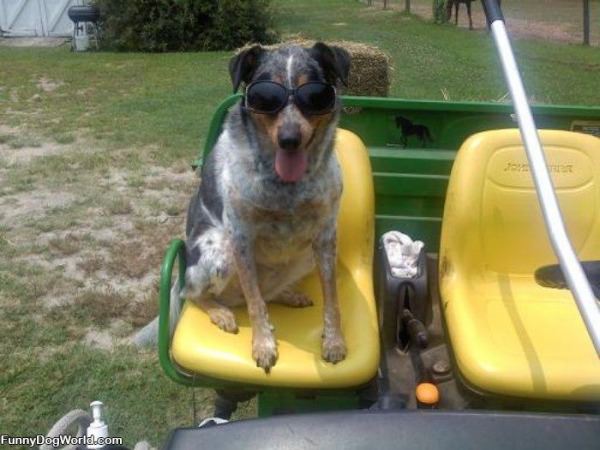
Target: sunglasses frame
<point>290,94</point>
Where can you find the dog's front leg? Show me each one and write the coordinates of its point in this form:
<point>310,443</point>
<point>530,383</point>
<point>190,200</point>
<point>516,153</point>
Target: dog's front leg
<point>333,347</point>
<point>264,347</point>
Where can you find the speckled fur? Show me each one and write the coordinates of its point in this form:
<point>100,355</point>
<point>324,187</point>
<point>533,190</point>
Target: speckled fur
<point>251,236</point>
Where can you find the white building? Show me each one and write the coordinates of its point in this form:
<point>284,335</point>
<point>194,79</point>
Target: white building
<point>36,17</point>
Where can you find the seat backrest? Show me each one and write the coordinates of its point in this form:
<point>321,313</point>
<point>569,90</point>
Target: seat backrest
<point>356,217</point>
<point>492,218</point>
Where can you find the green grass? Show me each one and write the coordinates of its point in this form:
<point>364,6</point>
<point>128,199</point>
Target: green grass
<point>46,373</point>
<point>166,100</point>
<point>46,386</point>
<point>163,101</point>
<point>64,138</point>
<point>17,142</point>
<point>428,57</point>
<point>126,113</point>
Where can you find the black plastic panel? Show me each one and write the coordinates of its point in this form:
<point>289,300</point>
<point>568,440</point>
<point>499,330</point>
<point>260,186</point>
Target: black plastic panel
<point>418,430</point>
<point>492,10</point>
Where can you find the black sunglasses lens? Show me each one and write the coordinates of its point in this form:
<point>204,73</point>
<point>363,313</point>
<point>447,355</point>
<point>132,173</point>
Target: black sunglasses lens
<point>266,97</point>
<point>316,98</point>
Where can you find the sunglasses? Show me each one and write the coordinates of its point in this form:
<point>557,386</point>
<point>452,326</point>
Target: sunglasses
<point>269,97</point>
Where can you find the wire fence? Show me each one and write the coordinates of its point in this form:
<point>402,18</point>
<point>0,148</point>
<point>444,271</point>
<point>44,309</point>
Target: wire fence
<point>557,20</point>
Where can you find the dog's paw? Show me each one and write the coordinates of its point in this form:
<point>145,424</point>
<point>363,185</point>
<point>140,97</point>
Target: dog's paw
<point>224,319</point>
<point>333,348</point>
<point>294,299</point>
<point>264,352</point>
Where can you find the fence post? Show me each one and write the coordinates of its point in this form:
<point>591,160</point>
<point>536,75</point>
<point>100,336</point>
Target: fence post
<point>586,22</point>
<point>407,6</point>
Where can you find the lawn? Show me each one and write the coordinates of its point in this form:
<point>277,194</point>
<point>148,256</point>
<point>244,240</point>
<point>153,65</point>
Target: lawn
<point>94,179</point>
<point>558,20</point>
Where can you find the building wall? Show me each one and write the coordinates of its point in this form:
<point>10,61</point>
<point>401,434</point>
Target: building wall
<point>36,17</point>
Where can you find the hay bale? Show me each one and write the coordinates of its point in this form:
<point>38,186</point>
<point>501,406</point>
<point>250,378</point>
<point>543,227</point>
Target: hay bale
<point>369,69</point>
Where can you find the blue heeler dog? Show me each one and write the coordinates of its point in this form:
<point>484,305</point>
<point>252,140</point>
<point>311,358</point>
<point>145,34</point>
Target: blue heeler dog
<point>265,212</point>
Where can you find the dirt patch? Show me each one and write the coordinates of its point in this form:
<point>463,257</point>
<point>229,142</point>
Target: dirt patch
<point>31,42</point>
<point>101,339</point>
<point>20,147</point>
<point>119,206</point>
<point>96,242</point>
<point>158,196</point>
<point>32,204</point>
<point>48,85</point>
<point>178,179</point>
<point>92,264</point>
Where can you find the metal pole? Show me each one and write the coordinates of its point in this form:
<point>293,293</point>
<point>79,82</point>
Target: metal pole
<point>574,275</point>
<point>586,22</point>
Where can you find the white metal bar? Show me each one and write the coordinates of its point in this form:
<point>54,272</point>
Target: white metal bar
<point>571,268</point>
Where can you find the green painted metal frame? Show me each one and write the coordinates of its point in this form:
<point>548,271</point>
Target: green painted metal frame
<point>410,186</point>
<point>215,127</point>
<point>176,250</point>
<point>428,106</point>
<point>284,401</point>
<point>410,183</point>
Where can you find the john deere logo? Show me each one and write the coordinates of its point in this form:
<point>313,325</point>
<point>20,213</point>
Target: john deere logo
<point>524,167</point>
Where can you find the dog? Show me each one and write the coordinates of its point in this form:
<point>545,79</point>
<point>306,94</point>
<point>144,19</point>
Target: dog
<point>265,212</point>
<point>410,129</point>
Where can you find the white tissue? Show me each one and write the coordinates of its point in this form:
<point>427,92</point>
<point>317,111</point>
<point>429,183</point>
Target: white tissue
<point>402,253</point>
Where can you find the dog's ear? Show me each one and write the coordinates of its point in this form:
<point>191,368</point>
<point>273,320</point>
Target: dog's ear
<point>335,62</point>
<point>243,65</point>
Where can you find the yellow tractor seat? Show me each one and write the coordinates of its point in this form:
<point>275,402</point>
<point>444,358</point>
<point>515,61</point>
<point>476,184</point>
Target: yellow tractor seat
<point>200,347</point>
<point>510,335</point>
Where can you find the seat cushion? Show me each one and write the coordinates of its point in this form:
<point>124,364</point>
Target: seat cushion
<point>198,346</point>
<point>510,335</point>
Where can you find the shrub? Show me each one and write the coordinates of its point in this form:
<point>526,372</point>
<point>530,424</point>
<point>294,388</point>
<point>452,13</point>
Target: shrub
<point>440,15</point>
<point>183,25</point>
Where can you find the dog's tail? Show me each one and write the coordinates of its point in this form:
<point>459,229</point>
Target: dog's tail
<point>148,336</point>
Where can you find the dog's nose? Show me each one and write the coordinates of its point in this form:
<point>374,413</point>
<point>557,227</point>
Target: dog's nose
<point>288,139</point>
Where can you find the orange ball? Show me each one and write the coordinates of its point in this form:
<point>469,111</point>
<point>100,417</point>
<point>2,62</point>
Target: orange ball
<point>428,394</point>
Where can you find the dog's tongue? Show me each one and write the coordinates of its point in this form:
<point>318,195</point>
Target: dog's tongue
<point>290,165</point>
